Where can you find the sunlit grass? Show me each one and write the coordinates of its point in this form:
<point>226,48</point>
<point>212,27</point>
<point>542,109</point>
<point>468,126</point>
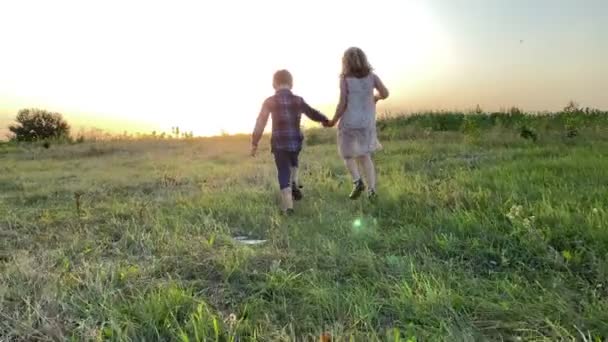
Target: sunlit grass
<point>486,239</point>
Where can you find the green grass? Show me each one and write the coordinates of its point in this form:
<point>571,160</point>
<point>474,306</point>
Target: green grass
<point>478,234</point>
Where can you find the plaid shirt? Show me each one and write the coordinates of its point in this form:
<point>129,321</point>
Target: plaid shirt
<point>286,109</point>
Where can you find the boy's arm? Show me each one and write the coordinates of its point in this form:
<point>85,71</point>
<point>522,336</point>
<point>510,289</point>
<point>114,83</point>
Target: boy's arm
<point>313,114</point>
<point>260,124</point>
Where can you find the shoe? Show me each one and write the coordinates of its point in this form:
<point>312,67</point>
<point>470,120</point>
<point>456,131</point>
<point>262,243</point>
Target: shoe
<point>296,192</point>
<point>358,188</point>
<point>372,195</point>
<point>289,212</point>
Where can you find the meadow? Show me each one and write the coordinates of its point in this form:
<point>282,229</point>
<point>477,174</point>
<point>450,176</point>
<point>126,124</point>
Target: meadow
<point>487,227</point>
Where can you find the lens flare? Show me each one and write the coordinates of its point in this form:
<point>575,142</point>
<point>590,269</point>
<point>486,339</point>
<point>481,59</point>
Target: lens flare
<point>357,224</point>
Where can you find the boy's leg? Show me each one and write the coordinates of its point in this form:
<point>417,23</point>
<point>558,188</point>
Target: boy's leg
<point>281,159</point>
<point>367,164</point>
<point>294,163</point>
<point>295,181</point>
<point>283,168</point>
<point>287,201</point>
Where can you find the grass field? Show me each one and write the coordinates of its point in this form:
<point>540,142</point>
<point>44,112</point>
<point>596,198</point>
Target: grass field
<point>478,234</point>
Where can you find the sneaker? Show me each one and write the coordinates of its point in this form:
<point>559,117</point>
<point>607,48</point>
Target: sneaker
<point>372,195</point>
<point>296,192</point>
<point>289,212</point>
<point>358,188</point>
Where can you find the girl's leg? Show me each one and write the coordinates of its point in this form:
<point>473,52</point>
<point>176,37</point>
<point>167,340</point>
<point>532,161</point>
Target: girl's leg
<point>353,168</point>
<point>358,186</point>
<point>367,164</point>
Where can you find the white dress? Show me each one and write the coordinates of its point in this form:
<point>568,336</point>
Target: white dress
<point>357,128</point>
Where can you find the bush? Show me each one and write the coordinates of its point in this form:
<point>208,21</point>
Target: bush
<point>319,136</point>
<point>38,124</point>
<point>471,127</point>
<point>571,120</point>
<point>527,133</point>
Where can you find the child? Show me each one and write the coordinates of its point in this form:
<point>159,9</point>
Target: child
<point>286,141</point>
<point>356,111</point>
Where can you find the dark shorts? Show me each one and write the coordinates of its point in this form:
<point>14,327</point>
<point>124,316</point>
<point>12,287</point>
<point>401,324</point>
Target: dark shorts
<point>285,160</point>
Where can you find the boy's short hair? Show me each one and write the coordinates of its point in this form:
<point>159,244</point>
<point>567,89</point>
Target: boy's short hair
<point>282,77</point>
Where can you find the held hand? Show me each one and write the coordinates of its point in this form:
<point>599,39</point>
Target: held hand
<point>254,151</point>
<point>329,123</point>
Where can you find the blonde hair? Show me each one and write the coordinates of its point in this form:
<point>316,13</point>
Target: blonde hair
<point>354,63</point>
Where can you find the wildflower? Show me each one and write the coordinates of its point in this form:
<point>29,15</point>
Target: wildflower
<point>514,212</point>
<point>231,320</point>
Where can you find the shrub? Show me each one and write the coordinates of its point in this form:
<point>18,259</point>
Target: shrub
<point>471,127</point>
<point>38,124</point>
<point>528,133</point>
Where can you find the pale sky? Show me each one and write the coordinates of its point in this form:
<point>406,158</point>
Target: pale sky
<point>206,66</point>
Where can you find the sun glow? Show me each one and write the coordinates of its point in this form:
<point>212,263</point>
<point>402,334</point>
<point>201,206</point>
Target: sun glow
<point>203,66</point>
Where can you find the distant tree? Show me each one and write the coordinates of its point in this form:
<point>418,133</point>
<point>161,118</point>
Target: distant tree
<point>572,107</point>
<point>478,109</point>
<point>515,111</point>
<point>38,124</point>
<point>175,131</point>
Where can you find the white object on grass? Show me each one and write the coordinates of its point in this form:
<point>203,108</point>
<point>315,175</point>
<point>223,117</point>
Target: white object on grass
<point>247,241</point>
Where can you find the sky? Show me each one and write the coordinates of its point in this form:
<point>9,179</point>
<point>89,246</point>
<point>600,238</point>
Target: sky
<point>206,66</point>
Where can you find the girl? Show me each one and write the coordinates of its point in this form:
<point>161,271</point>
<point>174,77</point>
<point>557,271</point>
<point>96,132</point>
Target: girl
<point>356,112</point>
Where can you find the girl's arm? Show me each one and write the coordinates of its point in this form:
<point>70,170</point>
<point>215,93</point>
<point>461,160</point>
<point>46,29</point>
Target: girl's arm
<point>382,91</point>
<point>341,107</point>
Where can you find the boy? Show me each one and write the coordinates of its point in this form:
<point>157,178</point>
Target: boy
<point>286,141</point>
